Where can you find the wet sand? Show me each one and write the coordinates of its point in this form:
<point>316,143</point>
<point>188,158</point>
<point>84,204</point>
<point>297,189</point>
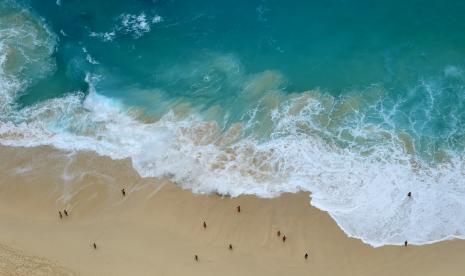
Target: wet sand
<point>156,229</point>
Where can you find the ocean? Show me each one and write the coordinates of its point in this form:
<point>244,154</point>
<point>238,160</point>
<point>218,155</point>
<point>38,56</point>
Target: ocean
<point>357,102</point>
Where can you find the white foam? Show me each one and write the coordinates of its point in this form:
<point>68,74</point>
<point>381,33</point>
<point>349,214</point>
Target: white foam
<point>105,36</point>
<point>26,45</point>
<point>157,19</point>
<point>135,25</point>
<point>364,193</point>
<point>89,58</point>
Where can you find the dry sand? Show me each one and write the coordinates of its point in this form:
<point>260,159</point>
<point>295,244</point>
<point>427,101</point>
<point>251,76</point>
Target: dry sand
<point>156,229</point>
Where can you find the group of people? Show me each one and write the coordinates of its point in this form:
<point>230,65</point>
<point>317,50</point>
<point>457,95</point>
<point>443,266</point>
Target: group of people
<point>238,208</point>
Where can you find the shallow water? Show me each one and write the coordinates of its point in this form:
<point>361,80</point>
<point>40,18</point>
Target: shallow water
<point>356,102</point>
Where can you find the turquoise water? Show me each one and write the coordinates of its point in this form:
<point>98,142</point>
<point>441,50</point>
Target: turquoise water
<point>358,102</point>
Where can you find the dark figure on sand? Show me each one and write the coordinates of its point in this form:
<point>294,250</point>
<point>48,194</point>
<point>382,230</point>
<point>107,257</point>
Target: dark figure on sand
<point>61,216</point>
<point>409,194</point>
<point>123,191</point>
<point>238,208</point>
<point>405,243</point>
<point>204,225</point>
<point>306,256</point>
<point>66,212</point>
<point>196,258</point>
<point>284,238</point>
<point>95,246</point>
<point>230,247</point>
<point>278,233</point>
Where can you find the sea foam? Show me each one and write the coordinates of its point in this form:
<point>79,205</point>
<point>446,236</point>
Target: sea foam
<point>25,48</point>
<point>135,25</point>
<point>364,193</point>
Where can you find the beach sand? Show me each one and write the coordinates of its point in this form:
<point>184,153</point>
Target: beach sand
<point>156,229</point>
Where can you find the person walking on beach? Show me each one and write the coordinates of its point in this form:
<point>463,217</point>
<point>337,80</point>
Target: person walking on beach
<point>230,247</point>
<point>95,246</point>
<point>61,216</point>
<point>405,243</point>
<point>196,258</point>
<point>204,225</point>
<point>123,191</point>
<point>278,233</point>
<point>284,238</point>
<point>238,208</point>
<point>66,212</point>
<point>306,256</point>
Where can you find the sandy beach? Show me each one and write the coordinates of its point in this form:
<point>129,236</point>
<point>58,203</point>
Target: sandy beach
<point>156,229</point>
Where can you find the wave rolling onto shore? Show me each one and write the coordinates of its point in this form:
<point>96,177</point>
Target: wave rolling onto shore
<point>352,102</point>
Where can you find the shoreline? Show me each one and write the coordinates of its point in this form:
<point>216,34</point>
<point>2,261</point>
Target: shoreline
<point>157,227</point>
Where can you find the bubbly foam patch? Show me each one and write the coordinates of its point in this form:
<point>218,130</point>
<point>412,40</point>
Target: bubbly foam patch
<point>89,58</point>
<point>135,25</point>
